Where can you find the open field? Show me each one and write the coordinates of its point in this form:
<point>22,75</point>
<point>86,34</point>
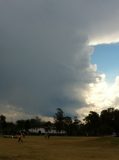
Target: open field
<point>60,148</point>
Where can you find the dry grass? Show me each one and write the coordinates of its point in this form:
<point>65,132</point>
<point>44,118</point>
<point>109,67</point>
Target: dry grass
<point>60,148</point>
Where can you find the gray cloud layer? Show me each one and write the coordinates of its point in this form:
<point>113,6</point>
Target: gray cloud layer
<point>44,52</point>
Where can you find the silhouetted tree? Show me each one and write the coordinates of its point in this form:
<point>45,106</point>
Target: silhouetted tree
<point>107,121</point>
<point>35,123</point>
<point>92,123</point>
<point>59,120</point>
<point>2,123</point>
<point>116,121</point>
<point>48,126</point>
<point>10,128</point>
<point>20,124</point>
<point>76,126</point>
<point>68,125</point>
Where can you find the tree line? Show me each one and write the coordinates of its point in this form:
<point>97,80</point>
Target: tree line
<point>94,124</point>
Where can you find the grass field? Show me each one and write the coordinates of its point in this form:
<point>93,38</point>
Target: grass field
<point>60,148</point>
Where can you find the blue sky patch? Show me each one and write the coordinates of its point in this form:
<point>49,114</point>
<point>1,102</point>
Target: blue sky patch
<point>107,59</point>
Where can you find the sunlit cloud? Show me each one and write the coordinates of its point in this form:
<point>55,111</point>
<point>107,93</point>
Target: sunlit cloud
<point>105,39</point>
<point>101,95</point>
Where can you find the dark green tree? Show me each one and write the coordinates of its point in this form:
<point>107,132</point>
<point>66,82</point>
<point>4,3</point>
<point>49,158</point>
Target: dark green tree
<point>107,119</point>
<point>68,125</point>
<point>59,120</point>
<point>48,126</point>
<point>20,125</point>
<point>2,124</point>
<point>92,123</point>
<point>116,122</point>
<point>76,126</point>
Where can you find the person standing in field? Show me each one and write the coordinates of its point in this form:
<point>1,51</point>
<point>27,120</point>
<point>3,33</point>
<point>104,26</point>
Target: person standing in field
<point>20,138</point>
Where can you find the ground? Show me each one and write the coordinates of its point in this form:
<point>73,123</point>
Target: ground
<point>60,148</point>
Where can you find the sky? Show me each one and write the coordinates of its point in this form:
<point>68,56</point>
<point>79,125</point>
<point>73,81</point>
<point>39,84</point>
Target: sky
<point>106,58</point>
<point>58,54</point>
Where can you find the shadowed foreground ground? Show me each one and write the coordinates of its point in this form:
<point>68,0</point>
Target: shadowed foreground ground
<point>60,148</point>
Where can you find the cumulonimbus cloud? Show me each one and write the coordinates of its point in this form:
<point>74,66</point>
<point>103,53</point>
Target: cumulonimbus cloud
<point>45,57</point>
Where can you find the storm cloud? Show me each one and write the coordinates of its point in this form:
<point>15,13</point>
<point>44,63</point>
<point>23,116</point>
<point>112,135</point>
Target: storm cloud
<point>45,57</point>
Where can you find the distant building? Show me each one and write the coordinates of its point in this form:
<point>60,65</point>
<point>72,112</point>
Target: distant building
<point>43,131</point>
